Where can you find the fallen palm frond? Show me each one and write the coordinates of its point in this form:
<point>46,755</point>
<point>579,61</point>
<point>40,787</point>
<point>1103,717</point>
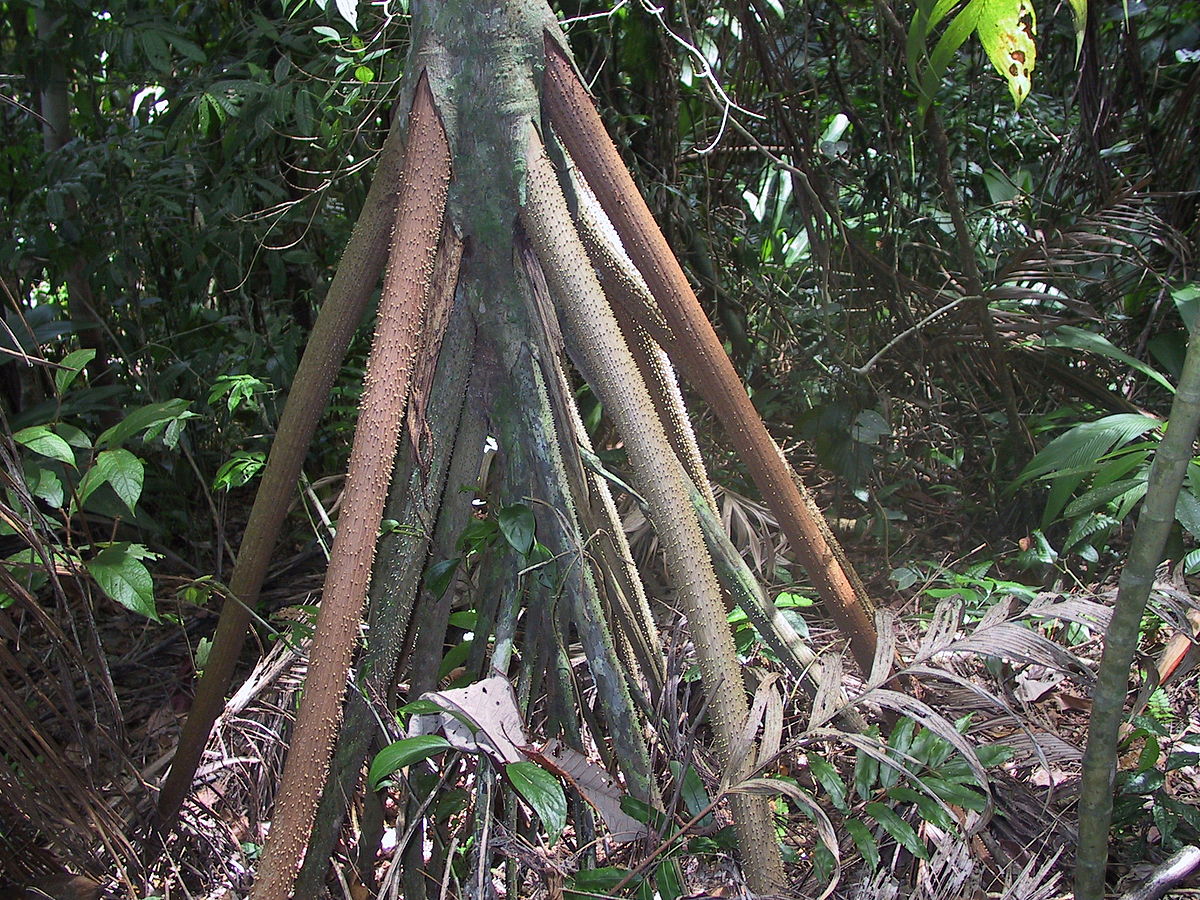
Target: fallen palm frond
<point>71,796</point>
<point>223,823</point>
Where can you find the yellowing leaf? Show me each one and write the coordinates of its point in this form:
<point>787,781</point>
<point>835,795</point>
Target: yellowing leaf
<point>1079,11</point>
<point>1007,29</point>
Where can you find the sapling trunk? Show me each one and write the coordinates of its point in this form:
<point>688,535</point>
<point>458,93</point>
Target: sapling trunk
<point>1120,639</point>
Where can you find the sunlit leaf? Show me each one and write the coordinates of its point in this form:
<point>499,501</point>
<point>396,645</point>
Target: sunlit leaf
<point>40,439</point>
<point>72,365</point>
<point>1007,29</point>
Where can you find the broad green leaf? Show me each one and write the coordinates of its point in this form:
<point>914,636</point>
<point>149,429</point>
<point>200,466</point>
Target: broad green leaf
<point>122,576</point>
<point>865,842</point>
<point>1097,497</point>
<point>543,792</point>
<point>1187,512</point>
<point>72,365</point>
<point>46,486</point>
<point>404,752</point>
<point>478,535</point>
<point>1084,444</point>
<point>829,779</point>
<point>1187,304</point>
<point>124,472</point>
<point>238,390</point>
<point>930,810</point>
<point>900,830</point>
<point>1079,12</point>
<point>1007,29</point>
<point>956,794</point>
<point>952,38</point>
<point>691,791</point>
<point>591,884</point>
<point>866,774</point>
<point>440,576</point>
<point>517,525</point>
<point>668,879</point>
<point>73,436</point>
<point>418,708</point>
<point>898,744</point>
<point>239,469</point>
<point>151,418</point>
<point>1078,339</point>
<point>40,439</point>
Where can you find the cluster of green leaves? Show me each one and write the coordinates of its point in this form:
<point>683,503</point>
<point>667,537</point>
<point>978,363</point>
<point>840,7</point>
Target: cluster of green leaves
<point>1143,798</point>
<point>916,776</point>
<point>513,527</point>
<point>1097,470</point>
<point>74,475</point>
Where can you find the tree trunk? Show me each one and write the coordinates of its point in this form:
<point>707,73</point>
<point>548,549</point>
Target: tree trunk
<point>526,289</point>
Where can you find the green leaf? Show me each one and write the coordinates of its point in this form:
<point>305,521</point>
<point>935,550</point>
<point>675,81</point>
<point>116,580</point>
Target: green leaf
<point>691,791</point>
<point>239,469</point>
<point>930,810</point>
<point>440,576</point>
<point>478,535</point>
<point>1079,12</point>
<point>865,842</point>
<point>900,830</point>
<point>418,708</point>
<point>364,74</point>
<point>591,884</point>
<point>40,439</point>
<point>123,471</point>
<point>1144,782</point>
<point>826,775</point>
<point>45,485</point>
<point>956,794</point>
<point>73,436</point>
<point>1007,29</point>
<point>72,365</point>
<point>1187,304</point>
<point>119,572</point>
<point>1102,496</point>
<point>543,792</point>
<point>150,419</point>
<point>238,390</point>
<point>898,744</point>
<point>404,752</point>
<point>1187,512</point>
<point>952,38</point>
<point>1083,445</point>
<point>1072,338</point>
<point>668,879</point>
<point>866,774</point>
<point>518,526</point>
